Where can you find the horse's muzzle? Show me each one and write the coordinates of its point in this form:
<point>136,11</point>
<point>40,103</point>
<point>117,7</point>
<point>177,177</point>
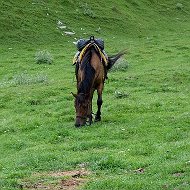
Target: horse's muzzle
<point>80,122</point>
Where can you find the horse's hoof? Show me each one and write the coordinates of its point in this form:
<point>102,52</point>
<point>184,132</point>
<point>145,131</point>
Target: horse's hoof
<point>97,119</point>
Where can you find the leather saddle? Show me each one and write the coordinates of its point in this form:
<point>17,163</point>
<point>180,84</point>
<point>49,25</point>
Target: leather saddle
<point>83,42</point>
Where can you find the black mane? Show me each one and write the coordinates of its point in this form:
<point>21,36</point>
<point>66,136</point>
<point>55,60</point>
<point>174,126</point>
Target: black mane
<point>89,72</point>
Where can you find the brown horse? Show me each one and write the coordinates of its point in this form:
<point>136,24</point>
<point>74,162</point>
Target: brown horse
<point>91,73</point>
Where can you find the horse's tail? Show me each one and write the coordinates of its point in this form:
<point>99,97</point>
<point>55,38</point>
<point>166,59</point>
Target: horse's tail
<point>112,59</point>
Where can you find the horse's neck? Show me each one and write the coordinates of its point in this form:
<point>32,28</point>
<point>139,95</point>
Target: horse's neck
<point>86,76</point>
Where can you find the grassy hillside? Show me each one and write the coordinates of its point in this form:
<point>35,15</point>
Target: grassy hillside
<point>36,21</point>
<point>143,139</point>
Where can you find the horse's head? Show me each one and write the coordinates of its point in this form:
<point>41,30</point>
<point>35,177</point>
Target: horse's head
<point>82,107</point>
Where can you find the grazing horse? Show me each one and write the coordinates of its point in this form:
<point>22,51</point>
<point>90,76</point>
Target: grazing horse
<point>91,73</point>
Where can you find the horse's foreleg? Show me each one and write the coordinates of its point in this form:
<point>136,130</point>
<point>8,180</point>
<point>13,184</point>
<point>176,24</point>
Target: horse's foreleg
<point>90,108</point>
<point>90,115</point>
<point>99,103</point>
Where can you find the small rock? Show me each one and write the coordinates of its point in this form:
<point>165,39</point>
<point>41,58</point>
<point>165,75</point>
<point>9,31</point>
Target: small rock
<point>70,33</point>
<point>61,25</point>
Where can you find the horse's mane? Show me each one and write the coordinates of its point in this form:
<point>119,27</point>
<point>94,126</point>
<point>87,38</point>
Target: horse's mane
<point>89,72</point>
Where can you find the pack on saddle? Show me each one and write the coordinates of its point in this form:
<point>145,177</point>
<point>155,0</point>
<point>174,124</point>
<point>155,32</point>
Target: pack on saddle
<point>83,44</point>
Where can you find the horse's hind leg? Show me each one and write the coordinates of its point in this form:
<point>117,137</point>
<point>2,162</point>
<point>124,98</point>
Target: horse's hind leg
<point>99,103</point>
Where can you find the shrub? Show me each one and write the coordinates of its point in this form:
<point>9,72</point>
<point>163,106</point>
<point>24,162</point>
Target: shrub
<point>179,6</point>
<point>43,57</point>
<point>26,79</point>
<point>86,9</point>
<point>121,65</point>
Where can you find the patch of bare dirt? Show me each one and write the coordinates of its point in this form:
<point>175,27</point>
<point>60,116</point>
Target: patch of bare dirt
<point>72,184</point>
<point>74,173</point>
<point>61,180</point>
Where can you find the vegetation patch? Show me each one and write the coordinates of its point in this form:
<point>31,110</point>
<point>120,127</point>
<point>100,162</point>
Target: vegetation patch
<point>25,79</point>
<point>179,6</point>
<point>87,10</point>
<point>43,57</point>
<point>121,65</point>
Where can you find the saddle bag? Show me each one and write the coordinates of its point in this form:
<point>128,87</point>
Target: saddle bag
<point>83,42</point>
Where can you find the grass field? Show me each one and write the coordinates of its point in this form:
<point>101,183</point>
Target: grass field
<point>143,140</point>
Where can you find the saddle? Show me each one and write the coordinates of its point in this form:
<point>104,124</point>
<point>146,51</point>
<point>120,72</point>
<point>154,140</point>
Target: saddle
<point>82,45</point>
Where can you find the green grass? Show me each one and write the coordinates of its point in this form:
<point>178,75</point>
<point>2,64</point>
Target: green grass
<point>143,140</point>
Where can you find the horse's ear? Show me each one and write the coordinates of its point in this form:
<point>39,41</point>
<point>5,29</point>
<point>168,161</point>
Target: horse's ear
<point>74,94</point>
